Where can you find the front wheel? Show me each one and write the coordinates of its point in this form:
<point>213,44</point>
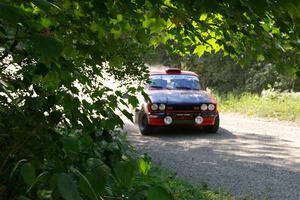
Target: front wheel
<point>144,127</point>
<point>213,128</point>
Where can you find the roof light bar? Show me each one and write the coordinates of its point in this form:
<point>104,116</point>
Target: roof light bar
<point>173,71</point>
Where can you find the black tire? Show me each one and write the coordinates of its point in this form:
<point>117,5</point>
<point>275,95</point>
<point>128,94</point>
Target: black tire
<point>144,127</point>
<point>213,128</point>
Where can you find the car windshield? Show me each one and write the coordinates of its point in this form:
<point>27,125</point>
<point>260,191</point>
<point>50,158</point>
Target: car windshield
<point>175,82</point>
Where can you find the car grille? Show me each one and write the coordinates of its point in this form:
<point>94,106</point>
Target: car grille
<point>181,107</point>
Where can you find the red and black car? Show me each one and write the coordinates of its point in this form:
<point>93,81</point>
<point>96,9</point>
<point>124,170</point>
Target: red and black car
<point>177,98</point>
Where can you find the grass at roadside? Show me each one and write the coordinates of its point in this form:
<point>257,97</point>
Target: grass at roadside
<point>182,190</point>
<point>186,191</point>
<point>283,106</point>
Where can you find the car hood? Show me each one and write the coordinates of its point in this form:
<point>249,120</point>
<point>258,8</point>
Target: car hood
<point>175,97</point>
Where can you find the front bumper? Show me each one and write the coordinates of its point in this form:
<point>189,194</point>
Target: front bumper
<point>182,118</point>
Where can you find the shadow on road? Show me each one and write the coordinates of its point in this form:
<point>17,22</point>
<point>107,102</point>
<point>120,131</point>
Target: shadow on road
<point>243,162</point>
<point>191,133</point>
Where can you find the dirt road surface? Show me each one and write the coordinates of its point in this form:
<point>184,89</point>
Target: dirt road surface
<point>249,157</point>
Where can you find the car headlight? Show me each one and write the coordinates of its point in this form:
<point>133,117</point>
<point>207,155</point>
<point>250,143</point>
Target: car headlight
<point>203,107</point>
<point>211,107</point>
<point>168,120</point>
<point>199,120</point>
<point>154,106</point>
<point>162,106</point>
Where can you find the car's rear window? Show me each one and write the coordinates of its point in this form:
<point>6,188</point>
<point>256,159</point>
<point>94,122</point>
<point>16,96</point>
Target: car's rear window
<point>166,81</point>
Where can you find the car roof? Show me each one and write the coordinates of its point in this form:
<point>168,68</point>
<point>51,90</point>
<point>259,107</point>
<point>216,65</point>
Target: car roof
<point>171,71</point>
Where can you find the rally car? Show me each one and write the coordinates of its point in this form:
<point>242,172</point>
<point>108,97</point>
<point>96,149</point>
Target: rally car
<point>176,97</point>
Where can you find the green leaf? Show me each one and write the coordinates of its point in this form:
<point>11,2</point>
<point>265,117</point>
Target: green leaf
<point>16,166</point>
<point>85,185</point>
<point>68,102</point>
<point>199,50</point>
<point>28,173</point>
<point>117,32</point>
<point>66,4</point>
<point>128,114</point>
<point>70,143</point>
<point>67,187</point>
<point>124,172</point>
<point>116,61</point>
<point>146,96</point>
<point>44,4</point>
<point>158,192</point>
<point>141,36</point>
<point>51,80</point>
<point>46,22</point>
<point>144,164</point>
<point>203,17</point>
<point>97,180</point>
<point>94,162</point>
<point>118,93</point>
<point>260,58</point>
<point>46,46</point>
<point>86,140</point>
<point>97,176</point>
<point>10,14</point>
<point>133,101</point>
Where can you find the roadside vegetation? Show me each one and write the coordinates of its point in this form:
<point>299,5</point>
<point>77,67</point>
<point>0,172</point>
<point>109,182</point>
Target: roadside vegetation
<point>186,191</point>
<point>270,104</point>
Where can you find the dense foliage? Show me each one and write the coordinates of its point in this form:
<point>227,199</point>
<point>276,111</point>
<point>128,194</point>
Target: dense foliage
<point>58,119</point>
<point>57,115</point>
<point>285,105</point>
<point>224,74</point>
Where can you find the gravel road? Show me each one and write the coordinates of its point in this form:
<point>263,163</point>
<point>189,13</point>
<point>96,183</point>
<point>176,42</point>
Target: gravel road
<point>249,157</point>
